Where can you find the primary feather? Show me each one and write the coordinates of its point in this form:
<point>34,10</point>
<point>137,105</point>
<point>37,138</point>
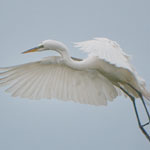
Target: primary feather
<point>51,78</point>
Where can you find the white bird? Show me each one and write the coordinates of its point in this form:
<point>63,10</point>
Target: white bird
<point>101,77</point>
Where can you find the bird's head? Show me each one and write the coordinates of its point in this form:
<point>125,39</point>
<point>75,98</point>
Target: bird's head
<point>48,45</point>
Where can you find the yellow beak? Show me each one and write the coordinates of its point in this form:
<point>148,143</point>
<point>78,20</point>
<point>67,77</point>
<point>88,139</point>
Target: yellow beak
<point>35,49</point>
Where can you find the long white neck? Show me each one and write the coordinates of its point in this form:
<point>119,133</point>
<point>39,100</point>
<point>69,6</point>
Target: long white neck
<point>63,50</point>
<point>79,65</point>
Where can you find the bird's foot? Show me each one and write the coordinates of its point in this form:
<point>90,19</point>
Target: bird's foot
<point>146,124</point>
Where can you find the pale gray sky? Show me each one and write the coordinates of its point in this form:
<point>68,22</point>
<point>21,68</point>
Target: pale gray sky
<point>55,125</point>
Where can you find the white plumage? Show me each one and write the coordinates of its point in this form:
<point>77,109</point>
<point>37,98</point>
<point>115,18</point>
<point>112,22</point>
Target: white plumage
<point>107,50</point>
<point>94,80</point>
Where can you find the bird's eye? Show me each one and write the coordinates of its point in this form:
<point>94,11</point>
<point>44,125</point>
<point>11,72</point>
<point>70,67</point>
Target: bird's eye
<point>41,46</point>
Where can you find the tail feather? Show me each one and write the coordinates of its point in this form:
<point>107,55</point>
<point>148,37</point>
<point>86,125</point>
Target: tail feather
<point>140,85</point>
<point>145,92</point>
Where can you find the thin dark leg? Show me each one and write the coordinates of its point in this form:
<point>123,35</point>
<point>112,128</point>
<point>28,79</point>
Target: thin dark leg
<point>136,112</point>
<point>139,123</point>
<point>141,96</point>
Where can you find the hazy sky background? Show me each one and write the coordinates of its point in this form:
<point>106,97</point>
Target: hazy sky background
<point>58,125</point>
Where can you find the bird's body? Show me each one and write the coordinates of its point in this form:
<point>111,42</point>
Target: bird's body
<point>93,80</point>
<point>105,74</point>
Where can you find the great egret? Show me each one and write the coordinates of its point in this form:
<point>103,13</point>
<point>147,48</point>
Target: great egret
<point>102,76</point>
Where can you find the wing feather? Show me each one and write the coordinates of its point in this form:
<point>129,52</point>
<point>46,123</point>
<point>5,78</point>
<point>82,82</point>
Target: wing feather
<point>50,79</point>
<point>107,50</point>
<point>109,53</point>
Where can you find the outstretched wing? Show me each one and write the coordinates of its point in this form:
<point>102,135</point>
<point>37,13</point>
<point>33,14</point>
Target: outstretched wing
<point>107,50</point>
<point>50,78</point>
<point>111,53</point>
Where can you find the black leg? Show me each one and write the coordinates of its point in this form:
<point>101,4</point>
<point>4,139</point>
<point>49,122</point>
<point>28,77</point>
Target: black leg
<point>139,122</point>
<point>136,112</point>
<point>141,97</point>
